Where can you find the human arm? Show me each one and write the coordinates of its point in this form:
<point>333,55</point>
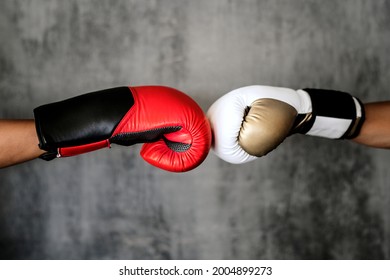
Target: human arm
<point>375,131</point>
<point>18,142</point>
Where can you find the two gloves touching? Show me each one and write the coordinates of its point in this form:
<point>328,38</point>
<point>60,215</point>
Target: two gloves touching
<point>242,125</point>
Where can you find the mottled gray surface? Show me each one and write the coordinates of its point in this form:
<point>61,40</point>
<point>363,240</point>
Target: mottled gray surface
<point>310,199</point>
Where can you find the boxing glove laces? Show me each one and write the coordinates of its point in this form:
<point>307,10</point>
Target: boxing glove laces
<point>175,131</point>
<point>250,122</point>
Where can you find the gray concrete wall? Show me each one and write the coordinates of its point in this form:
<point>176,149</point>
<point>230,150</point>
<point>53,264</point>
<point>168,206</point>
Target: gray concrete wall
<point>309,199</point>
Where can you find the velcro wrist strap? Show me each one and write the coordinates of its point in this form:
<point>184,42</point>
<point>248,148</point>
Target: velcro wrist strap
<point>335,114</point>
<point>82,120</point>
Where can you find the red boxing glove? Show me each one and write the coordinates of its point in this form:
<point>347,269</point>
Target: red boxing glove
<point>175,130</point>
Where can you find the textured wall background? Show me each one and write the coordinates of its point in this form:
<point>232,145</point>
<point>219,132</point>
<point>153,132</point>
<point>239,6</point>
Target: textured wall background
<point>310,199</point>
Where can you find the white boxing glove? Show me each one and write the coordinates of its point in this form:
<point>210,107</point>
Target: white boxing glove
<point>250,122</point>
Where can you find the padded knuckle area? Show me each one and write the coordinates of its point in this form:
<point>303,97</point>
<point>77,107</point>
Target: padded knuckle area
<point>265,125</point>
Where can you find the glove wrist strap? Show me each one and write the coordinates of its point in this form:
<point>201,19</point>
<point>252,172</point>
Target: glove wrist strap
<point>335,115</point>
